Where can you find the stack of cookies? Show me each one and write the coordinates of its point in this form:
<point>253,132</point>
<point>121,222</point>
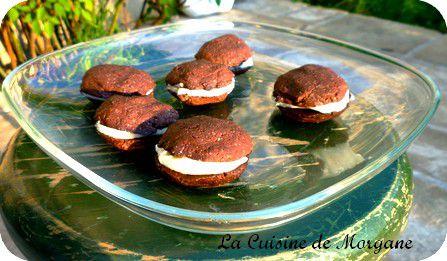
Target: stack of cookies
<point>202,151</point>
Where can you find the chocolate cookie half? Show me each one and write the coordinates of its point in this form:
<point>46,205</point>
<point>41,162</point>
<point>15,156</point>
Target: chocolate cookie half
<point>129,123</point>
<point>200,82</point>
<point>102,81</point>
<point>311,93</point>
<point>202,151</point>
<point>228,50</point>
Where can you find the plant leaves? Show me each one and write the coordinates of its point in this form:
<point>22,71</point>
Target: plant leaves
<point>59,9</point>
<point>28,18</point>
<point>36,27</point>
<point>48,29</point>
<point>88,5</point>
<point>86,15</point>
<point>41,13</point>
<point>13,14</point>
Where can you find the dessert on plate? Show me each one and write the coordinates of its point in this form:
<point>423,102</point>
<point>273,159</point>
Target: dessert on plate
<point>203,151</point>
<point>102,81</point>
<point>131,122</point>
<point>311,93</point>
<point>200,82</point>
<point>228,50</point>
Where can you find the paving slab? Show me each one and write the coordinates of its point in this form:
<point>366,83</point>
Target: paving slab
<point>311,15</point>
<point>435,51</point>
<point>277,8</point>
<point>386,36</point>
<point>254,17</point>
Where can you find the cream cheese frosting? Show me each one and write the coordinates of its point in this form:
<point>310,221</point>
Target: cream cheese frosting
<point>325,108</point>
<point>179,90</point>
<point>123,135</point>
<point>247,63</point>
<point>189,166</point>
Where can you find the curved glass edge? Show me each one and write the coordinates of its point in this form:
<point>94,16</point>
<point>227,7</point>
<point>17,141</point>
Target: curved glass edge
<point>286,212</point>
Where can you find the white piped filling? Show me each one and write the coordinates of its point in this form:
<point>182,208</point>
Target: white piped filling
<point>247,63</point>
<point>189,166</point>
<point>325,108</point>
<point>123,135</point>
<point>102,99</point>
<point>179,90</point>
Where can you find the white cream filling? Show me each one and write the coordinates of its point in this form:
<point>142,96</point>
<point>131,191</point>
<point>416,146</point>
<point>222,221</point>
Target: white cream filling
<point>247,63</point>
<point>325,108</point>
<point>189,166</point>
<point>179,90</point>
<point>102,99</point>
<point>123,135</point>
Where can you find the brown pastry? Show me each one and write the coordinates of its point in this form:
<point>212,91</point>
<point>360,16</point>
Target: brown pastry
<point>228,50</point>
<point>129,123</point>
<point>203,151</point>
<point>311,93</point>
<point>102,81</point>
<point>200,82</point>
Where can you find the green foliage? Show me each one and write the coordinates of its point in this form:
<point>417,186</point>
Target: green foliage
<point>406,11</point>
<point>86,19</point>
<point>159,11</point>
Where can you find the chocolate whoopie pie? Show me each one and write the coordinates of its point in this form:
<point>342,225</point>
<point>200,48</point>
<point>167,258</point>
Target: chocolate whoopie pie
<point>311,93</point>
<point>130,122</point>
<point>200,82</point>
<point>102,81</point>
<point>228,50</point>
<point>203,151</point>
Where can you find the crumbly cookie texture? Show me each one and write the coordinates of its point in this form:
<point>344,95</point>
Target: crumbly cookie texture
<point>108,79</point>
<point>309,86</point>
<point>200,75</point>
<point>227,49</point>
<point>206,138</point>
<point>137,114</point>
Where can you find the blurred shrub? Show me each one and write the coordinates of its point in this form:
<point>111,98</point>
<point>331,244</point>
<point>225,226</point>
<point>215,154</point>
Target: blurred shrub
<point>406,11</point>
<point>40,26</point>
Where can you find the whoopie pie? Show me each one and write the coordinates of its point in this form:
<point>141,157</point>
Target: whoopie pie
<point>228,50</point>
<point>131,122</point>
<point>203,151</point>
<point>311,93</point>
<point>200,82</point>
<point>102,81</point>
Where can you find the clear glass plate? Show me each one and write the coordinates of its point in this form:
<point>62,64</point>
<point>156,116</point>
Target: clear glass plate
<point>294,168</point>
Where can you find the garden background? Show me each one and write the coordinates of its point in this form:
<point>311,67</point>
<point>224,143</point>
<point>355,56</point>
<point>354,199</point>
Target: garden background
<point>41,26</point>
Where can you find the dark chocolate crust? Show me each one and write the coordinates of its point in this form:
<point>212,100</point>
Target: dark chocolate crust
<point>227,49</point>
<point>201,181</point>
<point>206,138</point>
<point>309,85</point>
<point>308,116</point>
<point>197,101</point>
<point>107,79</point>
<point>137,114</point>
<point>200,75</point>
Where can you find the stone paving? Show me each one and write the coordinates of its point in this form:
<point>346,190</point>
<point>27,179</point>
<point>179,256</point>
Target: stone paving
<point>423,48</point>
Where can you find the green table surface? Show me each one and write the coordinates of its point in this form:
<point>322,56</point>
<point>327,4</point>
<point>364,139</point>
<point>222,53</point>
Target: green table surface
<point>50,214</point>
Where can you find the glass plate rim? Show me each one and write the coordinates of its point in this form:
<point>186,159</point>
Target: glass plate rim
<point>300,206</point>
